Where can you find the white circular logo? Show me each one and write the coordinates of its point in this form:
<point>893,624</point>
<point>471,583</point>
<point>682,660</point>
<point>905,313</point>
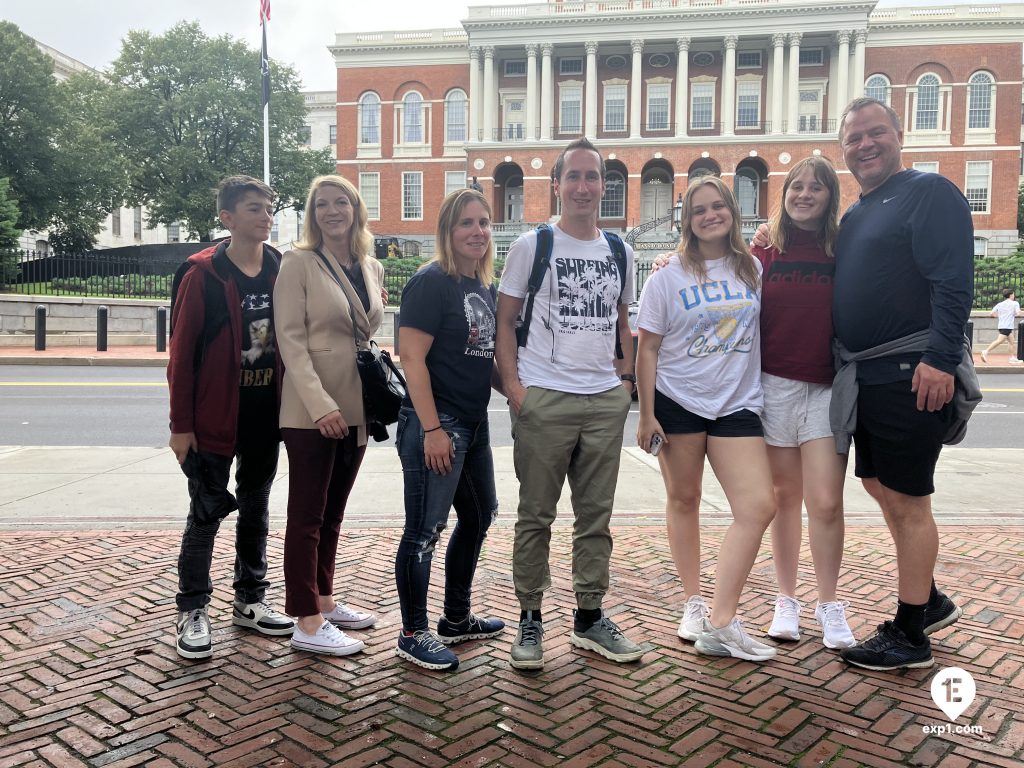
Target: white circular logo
<point>953,691</point>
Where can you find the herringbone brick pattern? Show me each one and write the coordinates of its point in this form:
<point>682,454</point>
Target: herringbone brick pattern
<point>90,677</point>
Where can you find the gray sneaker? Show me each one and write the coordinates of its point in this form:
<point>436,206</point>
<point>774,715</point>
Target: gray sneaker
<point>731,640</point>
<point>194,634</point>
<point>528,648</point>
<point>607,639</point>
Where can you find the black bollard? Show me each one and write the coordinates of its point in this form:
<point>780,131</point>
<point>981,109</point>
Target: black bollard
<point>161,329</point>
<point>40,328</point>
<point>101,328</point>
<point>396,334</point>
<point>1020,341</point>
<point>969,333</point>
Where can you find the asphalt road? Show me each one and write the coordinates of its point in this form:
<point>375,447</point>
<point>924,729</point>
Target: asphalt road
<point>79,405</point>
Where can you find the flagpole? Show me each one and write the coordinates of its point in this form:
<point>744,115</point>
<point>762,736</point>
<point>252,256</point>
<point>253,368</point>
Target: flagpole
<point>265,90</point>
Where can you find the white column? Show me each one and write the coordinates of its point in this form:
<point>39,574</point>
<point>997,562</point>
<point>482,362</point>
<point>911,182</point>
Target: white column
<point>531,91</point>
<point>636,88</point>
<point>488,105</point>
<point>475,95</point>
<point>682,83</point>
<point>590,120</point>
<point>793,88</point>
<point>545,91</point>
<point>778,91</point>
<point>728,109</point>
<point>857,80</point>
<point>842,74</point>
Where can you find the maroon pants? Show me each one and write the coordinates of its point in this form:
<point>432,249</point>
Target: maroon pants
<point>321,472</point>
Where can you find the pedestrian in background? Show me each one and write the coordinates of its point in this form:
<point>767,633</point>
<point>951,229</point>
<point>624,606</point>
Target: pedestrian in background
<point>1007,311</point>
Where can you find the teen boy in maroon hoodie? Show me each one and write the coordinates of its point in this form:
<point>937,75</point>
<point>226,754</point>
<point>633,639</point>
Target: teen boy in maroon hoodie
<point>224,376</point>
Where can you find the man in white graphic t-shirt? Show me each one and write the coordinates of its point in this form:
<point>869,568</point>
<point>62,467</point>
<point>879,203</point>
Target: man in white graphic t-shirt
<point>568,395</point>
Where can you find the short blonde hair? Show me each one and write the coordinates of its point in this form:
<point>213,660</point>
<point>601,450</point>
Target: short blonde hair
<point>451,210</point>
<point>360,237</point>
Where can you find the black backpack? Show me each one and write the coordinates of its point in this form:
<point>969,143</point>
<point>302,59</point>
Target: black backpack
<point>541,259</point>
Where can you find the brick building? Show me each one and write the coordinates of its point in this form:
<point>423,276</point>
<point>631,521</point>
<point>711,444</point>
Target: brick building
<point>670,89</point>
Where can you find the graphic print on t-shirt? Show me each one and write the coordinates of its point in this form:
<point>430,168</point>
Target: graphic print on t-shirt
<point>480,319</point>
<point>258,347</point>
<point>726,320</point>
<point>588,293</point>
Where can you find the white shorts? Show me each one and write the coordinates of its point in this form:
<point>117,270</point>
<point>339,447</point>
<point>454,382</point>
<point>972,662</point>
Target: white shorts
<point>795,412</point>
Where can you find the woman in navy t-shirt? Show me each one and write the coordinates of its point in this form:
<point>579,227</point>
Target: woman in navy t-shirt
<point>447,341</point>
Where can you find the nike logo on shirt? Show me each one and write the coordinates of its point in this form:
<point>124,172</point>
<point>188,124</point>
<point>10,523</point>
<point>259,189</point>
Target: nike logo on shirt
<point>887,199</point>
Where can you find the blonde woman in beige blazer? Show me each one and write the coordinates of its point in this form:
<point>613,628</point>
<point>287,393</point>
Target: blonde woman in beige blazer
<point>326,283</point>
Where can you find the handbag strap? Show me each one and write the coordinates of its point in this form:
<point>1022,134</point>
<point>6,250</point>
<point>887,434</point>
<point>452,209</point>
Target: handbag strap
<point>348,296</point>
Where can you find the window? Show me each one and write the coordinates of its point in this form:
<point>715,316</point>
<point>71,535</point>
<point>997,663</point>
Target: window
<point>333,134</point>
<point>369,119</point>
<point>659,60</point>
<point>613,205</point>
<point>927,167</point>
<point>811,57</point>
<point>115,222</point>
<point>570,109</point>
<point>275,231</point>
<point>980,247</point>
<point>615,107</point>
<point>455,116</point>
<point>137,223</point>
<point>369,190</point>
<point>809,110</point>
<point>926,116</point>
<point>979,100</point>
<point>174,232</point>
<point>515,68</point>
<point>702,105</point>
<point>412,118</point>
<point>615,62</point>
<point>453,181</point>
<point>748,104</point>
<point>573,66</point>
<point>877,87</point>
<point>976,186</point>
<point>412,195</point>
<point>305,135</point>
<point>748,59</point>
<point>746,187</point>
<point>514,109</point>
<point>657,106</point>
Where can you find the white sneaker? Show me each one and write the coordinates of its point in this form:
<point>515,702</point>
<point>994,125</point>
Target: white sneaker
<point>984,356</point>
<point>261,617</point>
<point>731,640</point>
<point>349,618</point>
<point>694,613</point>
<point>786,623</point>
<point>834,629</point>
<point>328,639</point>
<point>194,634</point>
<point>1013,361</point>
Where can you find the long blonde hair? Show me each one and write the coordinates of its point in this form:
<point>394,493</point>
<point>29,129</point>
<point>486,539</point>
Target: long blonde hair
<point>739,259</point>
<point>360,238</point>
<point>780,224</point>
<point>447,218</point>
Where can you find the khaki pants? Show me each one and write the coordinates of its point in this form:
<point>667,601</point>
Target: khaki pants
<point>558,435</point>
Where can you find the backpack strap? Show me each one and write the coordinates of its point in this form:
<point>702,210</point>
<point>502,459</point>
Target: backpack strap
<point>618,249</point>
<point>541,259</point>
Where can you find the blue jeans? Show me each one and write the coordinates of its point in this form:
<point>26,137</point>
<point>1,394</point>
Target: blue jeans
<point>429,498</point>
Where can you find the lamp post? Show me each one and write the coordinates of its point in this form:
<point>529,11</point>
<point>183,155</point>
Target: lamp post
<point>677,213</point>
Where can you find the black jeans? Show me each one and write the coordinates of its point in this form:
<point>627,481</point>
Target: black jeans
<point>211,502</point>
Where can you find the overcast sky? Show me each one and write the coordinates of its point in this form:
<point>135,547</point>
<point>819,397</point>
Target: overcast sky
<point>299,31</point>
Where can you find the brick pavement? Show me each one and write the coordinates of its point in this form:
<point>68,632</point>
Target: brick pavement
<point>90,677</point>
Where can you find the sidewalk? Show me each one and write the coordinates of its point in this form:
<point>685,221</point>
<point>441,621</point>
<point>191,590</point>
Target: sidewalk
<point>89,676</point>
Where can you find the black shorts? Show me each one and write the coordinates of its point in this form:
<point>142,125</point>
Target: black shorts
<point>676,420</point>
<point>1006,331</point>
<point>896,443</point>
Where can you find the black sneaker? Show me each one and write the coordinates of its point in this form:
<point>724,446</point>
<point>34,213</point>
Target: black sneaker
<point>889,649</point>
<point>470,628</point>
<point>940,615</point>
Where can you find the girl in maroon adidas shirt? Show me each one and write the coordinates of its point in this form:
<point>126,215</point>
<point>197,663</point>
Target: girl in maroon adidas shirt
<point>797,371</point>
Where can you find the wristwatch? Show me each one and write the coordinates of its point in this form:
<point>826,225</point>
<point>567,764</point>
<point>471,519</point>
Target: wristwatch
<point>630,378</point>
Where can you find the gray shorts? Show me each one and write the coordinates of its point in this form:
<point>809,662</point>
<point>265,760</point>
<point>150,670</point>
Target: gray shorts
<point>795,412</point>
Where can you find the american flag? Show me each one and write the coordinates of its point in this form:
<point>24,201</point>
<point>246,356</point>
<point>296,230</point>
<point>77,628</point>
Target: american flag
<point>264,60</point>
<point>264,10</point>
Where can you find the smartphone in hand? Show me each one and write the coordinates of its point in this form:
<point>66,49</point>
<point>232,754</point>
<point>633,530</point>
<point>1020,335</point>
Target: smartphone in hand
<point>656,442</point>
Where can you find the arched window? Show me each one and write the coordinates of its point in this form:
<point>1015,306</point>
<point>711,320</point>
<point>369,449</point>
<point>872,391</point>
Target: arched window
<point>412,118</point>
<point>455,116</point>
<point>613,205</point>
<point>369,118</point>
<point>926,116</point>
<point>877,87</point>
<point>746,187</point>
<point>979,100</point>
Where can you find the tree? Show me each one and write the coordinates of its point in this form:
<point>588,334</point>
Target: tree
<point>28,103</point>
<point>1020,212</point>
<point>186,110</point>
<point>8,234</point>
